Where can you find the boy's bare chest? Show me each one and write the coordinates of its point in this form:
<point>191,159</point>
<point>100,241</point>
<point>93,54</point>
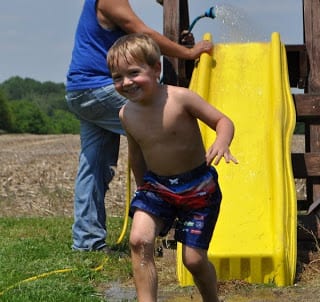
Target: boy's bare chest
<point>156,127</point>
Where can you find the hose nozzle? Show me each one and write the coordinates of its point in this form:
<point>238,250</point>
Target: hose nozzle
<point>210,13</point>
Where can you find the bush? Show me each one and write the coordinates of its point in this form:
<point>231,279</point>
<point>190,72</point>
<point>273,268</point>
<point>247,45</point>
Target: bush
<point>28,118</point>
<point>29,106</point>
<point>6,118</point>
<point>64,122</point>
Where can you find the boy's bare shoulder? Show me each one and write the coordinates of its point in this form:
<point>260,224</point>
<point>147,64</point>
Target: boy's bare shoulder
<point>123,110</point>
<point>177,89</point>
<point>182,92</point>
<point>184,96</point>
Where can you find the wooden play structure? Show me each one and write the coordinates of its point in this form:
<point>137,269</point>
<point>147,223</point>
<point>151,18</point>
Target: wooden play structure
<point>304,73</point>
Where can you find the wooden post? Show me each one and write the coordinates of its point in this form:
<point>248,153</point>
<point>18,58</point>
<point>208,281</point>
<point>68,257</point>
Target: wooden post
<point>311,14</point>
<point>175,20</point>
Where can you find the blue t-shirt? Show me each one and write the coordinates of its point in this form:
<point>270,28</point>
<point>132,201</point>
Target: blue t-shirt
<point>88,67</point>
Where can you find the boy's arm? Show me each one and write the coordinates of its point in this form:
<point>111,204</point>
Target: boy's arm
<point>220,147</point>
<point>136,158</point>
<point>217,121</point>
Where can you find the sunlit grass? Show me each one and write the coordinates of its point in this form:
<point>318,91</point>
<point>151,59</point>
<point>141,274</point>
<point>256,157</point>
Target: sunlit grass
<point>37,263</point>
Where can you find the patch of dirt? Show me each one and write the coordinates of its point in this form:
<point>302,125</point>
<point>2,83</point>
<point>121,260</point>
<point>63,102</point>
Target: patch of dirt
<point>37,175</point>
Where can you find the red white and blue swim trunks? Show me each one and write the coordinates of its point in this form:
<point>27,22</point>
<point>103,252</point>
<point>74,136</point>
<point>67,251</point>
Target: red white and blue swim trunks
<point>190,200</point>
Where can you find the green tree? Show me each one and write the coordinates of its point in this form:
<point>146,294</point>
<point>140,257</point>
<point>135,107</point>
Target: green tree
<point>47,103</point>
<point>29,118</point>
<point>6,118</point>
<point>64,122</point>
<point>48,96</point>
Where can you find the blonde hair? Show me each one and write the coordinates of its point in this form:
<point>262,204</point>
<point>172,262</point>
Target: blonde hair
<point>135,47</point>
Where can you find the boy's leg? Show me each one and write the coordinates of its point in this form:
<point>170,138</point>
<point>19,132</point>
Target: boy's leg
<point>203,272</point>
<point>145,228</point>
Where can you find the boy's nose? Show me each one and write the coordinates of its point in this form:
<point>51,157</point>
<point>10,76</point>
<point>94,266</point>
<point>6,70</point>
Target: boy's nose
<point>126,81</point>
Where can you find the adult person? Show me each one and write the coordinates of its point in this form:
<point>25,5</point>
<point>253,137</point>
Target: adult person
<point>92,97</point>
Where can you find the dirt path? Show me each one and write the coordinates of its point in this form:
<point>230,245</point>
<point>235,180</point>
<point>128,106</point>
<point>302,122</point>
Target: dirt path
<point>36,179</point>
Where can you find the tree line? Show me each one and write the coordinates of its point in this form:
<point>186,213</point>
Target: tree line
<point>30,106</point>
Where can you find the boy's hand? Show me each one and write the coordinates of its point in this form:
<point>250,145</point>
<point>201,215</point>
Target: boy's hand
<point>216,152</point>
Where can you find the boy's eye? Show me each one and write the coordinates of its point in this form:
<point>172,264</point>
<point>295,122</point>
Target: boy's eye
<point>116,78</point>
<point>134,72</point>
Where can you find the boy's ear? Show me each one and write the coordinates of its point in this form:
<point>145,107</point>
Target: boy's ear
<point>157,68</point>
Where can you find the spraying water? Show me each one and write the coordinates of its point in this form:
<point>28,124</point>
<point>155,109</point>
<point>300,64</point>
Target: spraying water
<point>236,25</point>
<point>233,24</point>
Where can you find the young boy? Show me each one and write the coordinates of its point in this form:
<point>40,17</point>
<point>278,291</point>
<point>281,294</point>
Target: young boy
<point>172,170</point>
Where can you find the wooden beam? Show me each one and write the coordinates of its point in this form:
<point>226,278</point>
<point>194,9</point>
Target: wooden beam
<point>305,165</point>
<point>307,106</point>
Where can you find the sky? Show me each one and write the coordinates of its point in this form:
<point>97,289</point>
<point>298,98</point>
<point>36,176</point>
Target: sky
<point>36,36</point>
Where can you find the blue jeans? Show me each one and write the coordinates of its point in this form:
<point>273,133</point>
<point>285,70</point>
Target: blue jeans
<point>100,129</point>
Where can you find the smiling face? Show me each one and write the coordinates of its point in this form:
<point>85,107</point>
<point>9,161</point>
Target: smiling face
<point>134,62</point>
<point>135,80</point>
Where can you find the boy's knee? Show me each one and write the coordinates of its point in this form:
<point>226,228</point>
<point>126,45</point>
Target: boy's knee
<point>139,244</point>
<point>196,261</point>
<point>194,265</point>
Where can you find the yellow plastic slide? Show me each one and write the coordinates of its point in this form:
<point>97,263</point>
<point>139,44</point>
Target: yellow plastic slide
<point>255,236</point>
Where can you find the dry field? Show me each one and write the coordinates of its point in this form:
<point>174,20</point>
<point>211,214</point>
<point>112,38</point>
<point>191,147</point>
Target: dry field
<point>36,179</point>
<point>37,176</point>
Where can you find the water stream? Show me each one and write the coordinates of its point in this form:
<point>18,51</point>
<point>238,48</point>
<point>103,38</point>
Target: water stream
<point>235,25</point>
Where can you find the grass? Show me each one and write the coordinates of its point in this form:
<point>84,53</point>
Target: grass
<point>37,263</point>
